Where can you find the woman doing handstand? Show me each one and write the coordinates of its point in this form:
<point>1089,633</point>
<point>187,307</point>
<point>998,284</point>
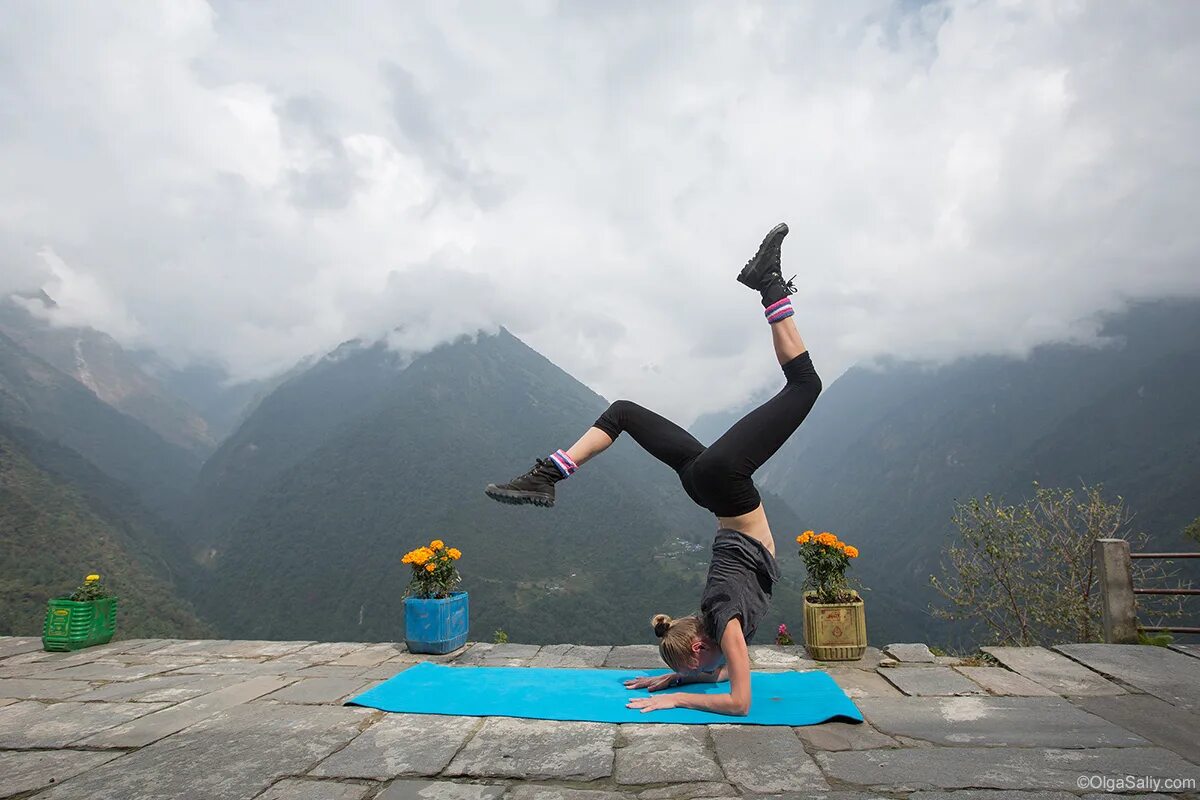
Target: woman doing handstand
<point>713,646</point>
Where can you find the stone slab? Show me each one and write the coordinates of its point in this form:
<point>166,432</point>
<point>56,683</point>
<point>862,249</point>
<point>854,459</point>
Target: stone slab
<point>39,689</point>
<point>311,691</point>
<point>930,681</point>
<point>763,759</point>
<point>133,690</point>
<point>844,736</point>
<point>298,789</point>
<point>383,671</point>
<point>328,650</point>
<point>871,658</point>
<point>235,754</point>
<point>27,771</point>
<point>1162,723</point>
<point>7,701</point>
<point>440,790</point>
<point>400,744</point>
<point>111,671</point>
<point>1187,649</point>
<point>485,654</point>
<point>330,671</point>
<point>1012,721</point>
<point>910,652</point>
<point>1056,672</point>
<point>153,727</point>
<point>688,791</point>
<point>991,794</point>
<point>558,656</point>
<point>152,645</point>
<point>262,648</point>
<point>1004,682</point>
<point>15,645</point>
<point>204,647</point>
<point>371,655</point>
<point>664,754</point>
<point>635,656</point>
<point>862,683</point>
<point>534,792</point>
<point>1160,671</point>
<point>788,657</point>
<point>916,768</point>
<point>32,724</point>
<point>240,666</point>
<point>538,750</point>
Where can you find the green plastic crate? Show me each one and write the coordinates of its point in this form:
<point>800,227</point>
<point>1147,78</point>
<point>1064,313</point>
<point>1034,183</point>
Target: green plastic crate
<point>74,625</point>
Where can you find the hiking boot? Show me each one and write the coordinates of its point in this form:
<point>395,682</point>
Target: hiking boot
<point>535,487</point>
<point>766,261</point>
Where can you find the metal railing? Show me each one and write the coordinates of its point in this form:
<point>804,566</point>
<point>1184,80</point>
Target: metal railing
<point>1118,594</point>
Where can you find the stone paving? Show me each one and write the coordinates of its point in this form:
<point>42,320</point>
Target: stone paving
<point>236,720</point>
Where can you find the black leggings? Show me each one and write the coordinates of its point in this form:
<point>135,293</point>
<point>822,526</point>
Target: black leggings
<point>718,477</point>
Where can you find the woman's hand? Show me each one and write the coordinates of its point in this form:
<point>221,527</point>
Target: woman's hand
<point>654,703</point>
<point>653,683</point>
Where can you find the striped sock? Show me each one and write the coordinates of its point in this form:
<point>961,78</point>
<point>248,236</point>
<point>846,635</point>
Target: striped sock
<point>779,310</point>
<point>564,463</point>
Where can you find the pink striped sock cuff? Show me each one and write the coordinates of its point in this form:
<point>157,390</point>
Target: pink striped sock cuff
<point>564,463</point>
<point>780,309</point>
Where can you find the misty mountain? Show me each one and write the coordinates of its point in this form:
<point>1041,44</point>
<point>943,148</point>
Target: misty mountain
<point>61,519</point>
<point>885,452</point>
<point>36,395</point>
<point>345,468</point>
<point>95,360</point>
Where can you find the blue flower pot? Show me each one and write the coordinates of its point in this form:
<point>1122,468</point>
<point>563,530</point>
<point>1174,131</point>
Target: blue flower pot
<point>436,625</point>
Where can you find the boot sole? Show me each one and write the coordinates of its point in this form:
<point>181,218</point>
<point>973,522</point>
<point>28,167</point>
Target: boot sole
<point>751,268</point>
<point>515,498</point>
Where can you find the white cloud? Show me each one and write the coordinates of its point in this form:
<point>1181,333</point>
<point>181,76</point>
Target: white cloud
<point>256,182</point>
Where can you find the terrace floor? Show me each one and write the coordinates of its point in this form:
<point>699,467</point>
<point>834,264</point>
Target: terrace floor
<point>234,720</point>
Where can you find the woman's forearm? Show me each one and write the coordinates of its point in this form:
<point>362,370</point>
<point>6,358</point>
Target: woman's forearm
<point>719,703</point>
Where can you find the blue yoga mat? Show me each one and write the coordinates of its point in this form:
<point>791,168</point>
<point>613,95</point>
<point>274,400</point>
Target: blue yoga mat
<point>598,695</point>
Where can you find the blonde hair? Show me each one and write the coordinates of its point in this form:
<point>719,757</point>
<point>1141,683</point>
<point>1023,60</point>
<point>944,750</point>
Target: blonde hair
<point>676,637</point>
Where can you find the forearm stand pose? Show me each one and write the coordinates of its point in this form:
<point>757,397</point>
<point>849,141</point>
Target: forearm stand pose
<point>713,645</point>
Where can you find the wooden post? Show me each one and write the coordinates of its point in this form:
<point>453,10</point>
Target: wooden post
<point>1116,590</point>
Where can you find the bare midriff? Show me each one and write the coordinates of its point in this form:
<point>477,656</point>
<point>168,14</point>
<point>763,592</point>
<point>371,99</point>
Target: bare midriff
<point>754,524</point>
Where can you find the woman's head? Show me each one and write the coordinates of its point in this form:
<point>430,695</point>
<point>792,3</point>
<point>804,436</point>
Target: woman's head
<point>684,645</point>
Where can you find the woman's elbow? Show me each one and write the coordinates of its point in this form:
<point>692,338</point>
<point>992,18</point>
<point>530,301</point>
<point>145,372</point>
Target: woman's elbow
<point>740,708</point>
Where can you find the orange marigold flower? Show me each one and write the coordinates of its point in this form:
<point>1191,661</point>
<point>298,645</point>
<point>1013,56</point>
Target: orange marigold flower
<point>852,551</point>
<point>437,544</point>
<point>455,553</point>
<point>429,567</point>
<point>826,538</point>
<point>804,537</point>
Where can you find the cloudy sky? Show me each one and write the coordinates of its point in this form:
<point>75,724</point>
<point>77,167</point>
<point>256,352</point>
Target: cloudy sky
<point>254,182</point>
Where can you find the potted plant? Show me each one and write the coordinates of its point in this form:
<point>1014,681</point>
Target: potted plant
<point>88,617</point>
<point>435,617</point>
<point>835,625</point>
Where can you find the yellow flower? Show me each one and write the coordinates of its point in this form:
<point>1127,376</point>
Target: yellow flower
<point>826,538</point>
<point>429,567</point>
<point>407,559</point>
<point>93,577</point>
<point>421,555</point>
<point>804,537</point>
<point>809,534</point>
<point>455,553</point>
<point>852,551</point>
<point>437,544</point>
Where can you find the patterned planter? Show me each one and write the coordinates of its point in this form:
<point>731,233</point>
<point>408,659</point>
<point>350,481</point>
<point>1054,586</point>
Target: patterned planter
<point>436,625</point>
<point>835,631</point>
<point>74,624</point>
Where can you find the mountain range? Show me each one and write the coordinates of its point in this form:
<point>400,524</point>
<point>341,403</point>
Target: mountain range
<point>280,508</point>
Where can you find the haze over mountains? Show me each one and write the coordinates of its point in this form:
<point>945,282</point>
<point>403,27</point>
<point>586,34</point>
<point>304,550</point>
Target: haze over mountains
<point>281,509</point>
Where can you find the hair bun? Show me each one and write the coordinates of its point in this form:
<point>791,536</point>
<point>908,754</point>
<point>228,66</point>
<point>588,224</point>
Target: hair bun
<point>662,624</point>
